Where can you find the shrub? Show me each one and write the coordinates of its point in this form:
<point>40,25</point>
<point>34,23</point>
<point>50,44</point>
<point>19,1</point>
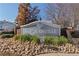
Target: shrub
<point>25,37</point>
<point>48,40</point>
<point>55,40</point>
<point>51,40</point>
<point>35,39</point>
<point>28,37</point>
<point>62,40</point>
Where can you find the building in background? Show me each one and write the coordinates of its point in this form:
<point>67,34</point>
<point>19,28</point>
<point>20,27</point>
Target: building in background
<point>6,26</point>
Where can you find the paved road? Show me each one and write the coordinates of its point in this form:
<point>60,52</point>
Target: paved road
<point>58,54</point>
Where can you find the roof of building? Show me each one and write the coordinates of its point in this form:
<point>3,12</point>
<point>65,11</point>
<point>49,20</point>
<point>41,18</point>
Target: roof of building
<point>45,22</point>
<point>4,21</point>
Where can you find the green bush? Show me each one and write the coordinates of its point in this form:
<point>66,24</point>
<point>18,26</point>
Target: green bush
<point>62,40</point>
<point>51,40</point>
<point>55,40</point>
<point>35,39</point>
<point>28,37</point>
<point>48,39</point>
<point>25,37</point>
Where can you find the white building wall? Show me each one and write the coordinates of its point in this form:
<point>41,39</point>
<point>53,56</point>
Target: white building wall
<point>41,30</point>
<point>31,30</point>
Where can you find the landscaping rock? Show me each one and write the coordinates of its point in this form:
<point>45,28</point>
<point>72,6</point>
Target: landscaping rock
<point>18,48</point>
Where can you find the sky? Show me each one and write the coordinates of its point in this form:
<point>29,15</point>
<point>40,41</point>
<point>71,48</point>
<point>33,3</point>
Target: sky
<point>9,11</point>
